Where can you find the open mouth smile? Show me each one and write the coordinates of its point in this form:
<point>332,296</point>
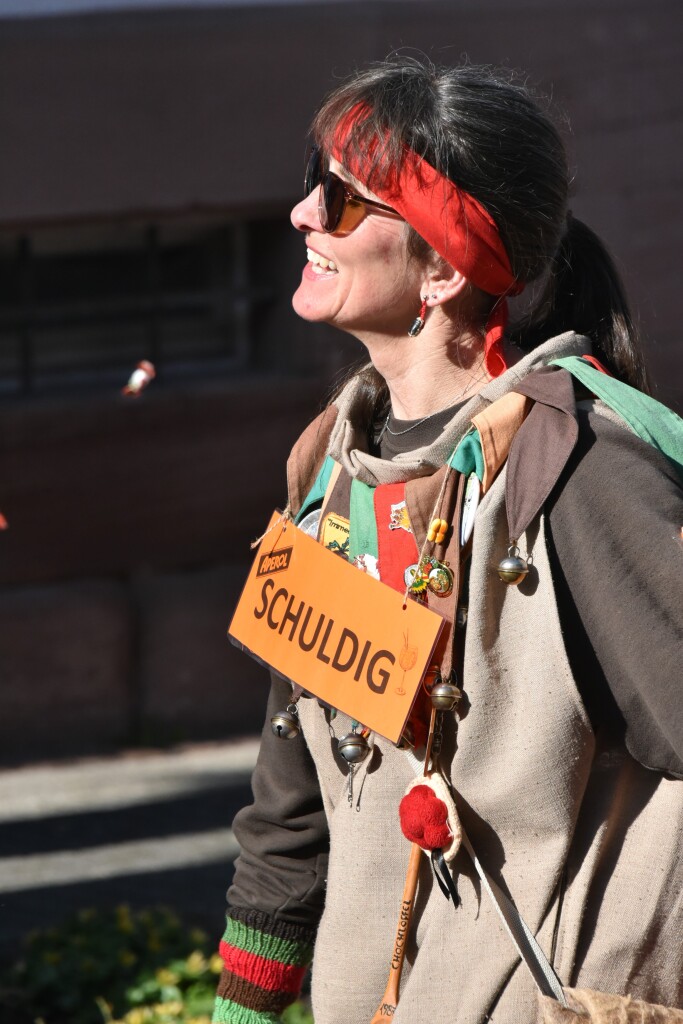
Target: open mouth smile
<point>320,264</point>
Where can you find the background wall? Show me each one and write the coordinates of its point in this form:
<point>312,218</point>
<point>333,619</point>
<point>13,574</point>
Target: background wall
<point>130,522</point>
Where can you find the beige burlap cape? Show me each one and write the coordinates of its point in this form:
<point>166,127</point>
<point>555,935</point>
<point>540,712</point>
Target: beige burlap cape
<point>585,841</point>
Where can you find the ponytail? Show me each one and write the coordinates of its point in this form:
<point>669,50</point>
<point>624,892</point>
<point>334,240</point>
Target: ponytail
<point>584,293</point>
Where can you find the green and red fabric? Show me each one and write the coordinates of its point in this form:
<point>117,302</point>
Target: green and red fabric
<point>264,963</point>
<point>397,547</point>
<point>363,528</point>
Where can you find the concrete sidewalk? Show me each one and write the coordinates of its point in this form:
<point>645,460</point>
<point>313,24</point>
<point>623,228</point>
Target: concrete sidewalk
<point>142,828</point>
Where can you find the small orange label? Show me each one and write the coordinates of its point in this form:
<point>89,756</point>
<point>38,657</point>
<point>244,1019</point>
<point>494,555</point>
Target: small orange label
<point>274,561</point>
<point>342,635</point>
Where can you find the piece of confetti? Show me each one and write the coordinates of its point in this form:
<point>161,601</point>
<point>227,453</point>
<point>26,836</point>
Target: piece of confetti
<point>141,376</point>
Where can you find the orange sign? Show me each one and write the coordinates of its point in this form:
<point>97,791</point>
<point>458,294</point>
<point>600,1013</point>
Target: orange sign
<point>337,632</point>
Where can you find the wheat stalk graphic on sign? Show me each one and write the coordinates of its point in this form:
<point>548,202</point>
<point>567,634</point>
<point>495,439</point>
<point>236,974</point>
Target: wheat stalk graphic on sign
<point>406,659</point>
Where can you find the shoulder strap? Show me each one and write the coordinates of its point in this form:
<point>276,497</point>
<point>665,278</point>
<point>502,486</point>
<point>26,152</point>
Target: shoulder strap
<point>648,418</point>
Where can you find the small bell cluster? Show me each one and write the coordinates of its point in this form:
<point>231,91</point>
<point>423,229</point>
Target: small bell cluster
<point>354,746</point>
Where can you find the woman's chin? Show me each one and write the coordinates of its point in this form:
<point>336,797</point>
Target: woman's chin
<point>305,307</point>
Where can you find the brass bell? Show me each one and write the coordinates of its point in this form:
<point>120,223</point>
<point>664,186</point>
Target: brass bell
<point>445,696</point>
<point>513,568</point>
<point>285,724</point>
<point>354,747</point>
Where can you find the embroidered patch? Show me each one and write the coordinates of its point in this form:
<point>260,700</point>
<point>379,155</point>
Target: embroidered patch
<point>368,564</point>
<point>417,580</point>
<point>334,534</point>
<point>398,518</point>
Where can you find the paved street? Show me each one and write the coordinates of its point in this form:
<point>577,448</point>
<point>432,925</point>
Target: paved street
<point>144,829</point>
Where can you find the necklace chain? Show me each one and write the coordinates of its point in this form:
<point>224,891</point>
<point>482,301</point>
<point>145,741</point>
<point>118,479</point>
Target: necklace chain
<point>397,433</point>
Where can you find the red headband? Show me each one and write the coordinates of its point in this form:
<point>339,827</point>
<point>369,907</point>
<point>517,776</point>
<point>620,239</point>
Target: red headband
<point>453,222</point>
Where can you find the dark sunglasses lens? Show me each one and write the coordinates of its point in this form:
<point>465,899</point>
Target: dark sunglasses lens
<point>313,173</point>
<point>332,202</point>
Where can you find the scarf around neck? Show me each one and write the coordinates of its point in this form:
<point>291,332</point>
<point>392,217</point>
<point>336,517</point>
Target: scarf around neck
<point>347,441</point>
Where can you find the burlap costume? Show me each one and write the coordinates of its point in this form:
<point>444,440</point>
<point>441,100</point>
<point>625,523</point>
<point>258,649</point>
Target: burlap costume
<point>583,838</point>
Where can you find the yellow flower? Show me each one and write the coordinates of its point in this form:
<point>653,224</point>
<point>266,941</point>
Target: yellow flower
<point>140,1015</point>
<point>153,942</point>
<point>216,963</point>
<point>196,962</point>
<point>197,937</point>
<point>166,977</point>
<point>173,1008</point>
<point>127,958</point>
<point>134,1017</point>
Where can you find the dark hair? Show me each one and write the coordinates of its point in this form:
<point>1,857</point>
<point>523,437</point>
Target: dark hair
<point>486,132</point>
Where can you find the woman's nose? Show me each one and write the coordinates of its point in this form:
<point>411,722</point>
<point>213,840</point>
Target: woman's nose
<point>305,215</point>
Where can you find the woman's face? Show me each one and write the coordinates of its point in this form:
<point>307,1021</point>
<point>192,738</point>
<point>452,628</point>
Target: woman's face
<point>372,286</point>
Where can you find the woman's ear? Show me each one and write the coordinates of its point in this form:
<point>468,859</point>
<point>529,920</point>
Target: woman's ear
<point>442,284</point>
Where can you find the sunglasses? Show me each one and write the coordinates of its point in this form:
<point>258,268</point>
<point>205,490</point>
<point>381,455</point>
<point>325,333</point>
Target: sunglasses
<point>339,208</point>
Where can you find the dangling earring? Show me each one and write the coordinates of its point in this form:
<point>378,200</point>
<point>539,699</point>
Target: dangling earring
<point>419,321</point>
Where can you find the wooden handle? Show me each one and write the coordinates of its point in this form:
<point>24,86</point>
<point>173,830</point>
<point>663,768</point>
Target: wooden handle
<point>387,1007</point>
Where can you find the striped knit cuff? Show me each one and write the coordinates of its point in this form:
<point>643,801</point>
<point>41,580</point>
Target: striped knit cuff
<point>264,962</point>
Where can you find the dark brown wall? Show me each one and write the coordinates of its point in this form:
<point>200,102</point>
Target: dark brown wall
<point>129,535</point>
<point>171,109</point>
<point>129,524</point>
<point>179,477</point>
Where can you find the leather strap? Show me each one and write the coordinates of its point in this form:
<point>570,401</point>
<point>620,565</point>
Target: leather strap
<point>528,948</point>
<point>531,953</point>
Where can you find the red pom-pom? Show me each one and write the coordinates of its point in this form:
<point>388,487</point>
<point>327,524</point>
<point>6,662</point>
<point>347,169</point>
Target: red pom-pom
<point>424,819</point>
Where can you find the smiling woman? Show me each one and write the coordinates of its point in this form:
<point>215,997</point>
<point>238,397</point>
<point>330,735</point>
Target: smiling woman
<point>479,469</point>
<point>360,270</point>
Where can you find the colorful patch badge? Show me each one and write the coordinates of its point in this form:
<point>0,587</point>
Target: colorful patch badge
<point>368,564</point>
<point>429,574</point>
<point>398,517</point>
<point>334,534</point>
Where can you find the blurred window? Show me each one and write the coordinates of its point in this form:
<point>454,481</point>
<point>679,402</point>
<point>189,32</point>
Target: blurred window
<point>80,307</point>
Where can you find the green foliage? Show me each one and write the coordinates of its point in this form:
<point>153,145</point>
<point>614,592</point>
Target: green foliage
<point>117,967</point>
<point>297,1013</point>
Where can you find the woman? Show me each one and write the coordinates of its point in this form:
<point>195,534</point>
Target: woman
<point>432,195</point>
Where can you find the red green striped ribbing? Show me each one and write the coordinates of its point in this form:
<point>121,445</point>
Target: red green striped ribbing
<point>282,944</point>
<point>264,965</point>
<point>262,971</point>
